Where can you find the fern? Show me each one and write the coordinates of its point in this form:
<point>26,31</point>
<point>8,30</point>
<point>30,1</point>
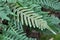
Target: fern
<point>9,1</point>
<point>13,33</point>
<point>27,12</point>
<point>36,6</point>
<point>29,18</point>
<point>51,4</point>
<point>5,11</point>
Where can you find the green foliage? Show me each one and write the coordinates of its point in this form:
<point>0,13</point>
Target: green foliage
<point>27,12</point>
<point>1,37</point>
<point>5,11</point>
<point>31,18</point>
<point>36,7</point>
<point>57,37</point>
<point>14,33</point>
<point>51,4</point>
<point>9,1</point>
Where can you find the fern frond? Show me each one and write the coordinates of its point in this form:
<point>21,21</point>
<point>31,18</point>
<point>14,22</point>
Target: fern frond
<point>5,11</point>
<point>50,4</point>
<point>13,33</point>
<point>26,16</point>
<point>9,1</point>
<point>30,18</point>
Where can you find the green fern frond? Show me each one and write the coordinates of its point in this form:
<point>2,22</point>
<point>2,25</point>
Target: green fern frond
<point>9,1</point>
<point>13,33</point>
<point>5,11</point>
<point>30,18</point>
<point>50,4</point>
<point>27,12</point>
